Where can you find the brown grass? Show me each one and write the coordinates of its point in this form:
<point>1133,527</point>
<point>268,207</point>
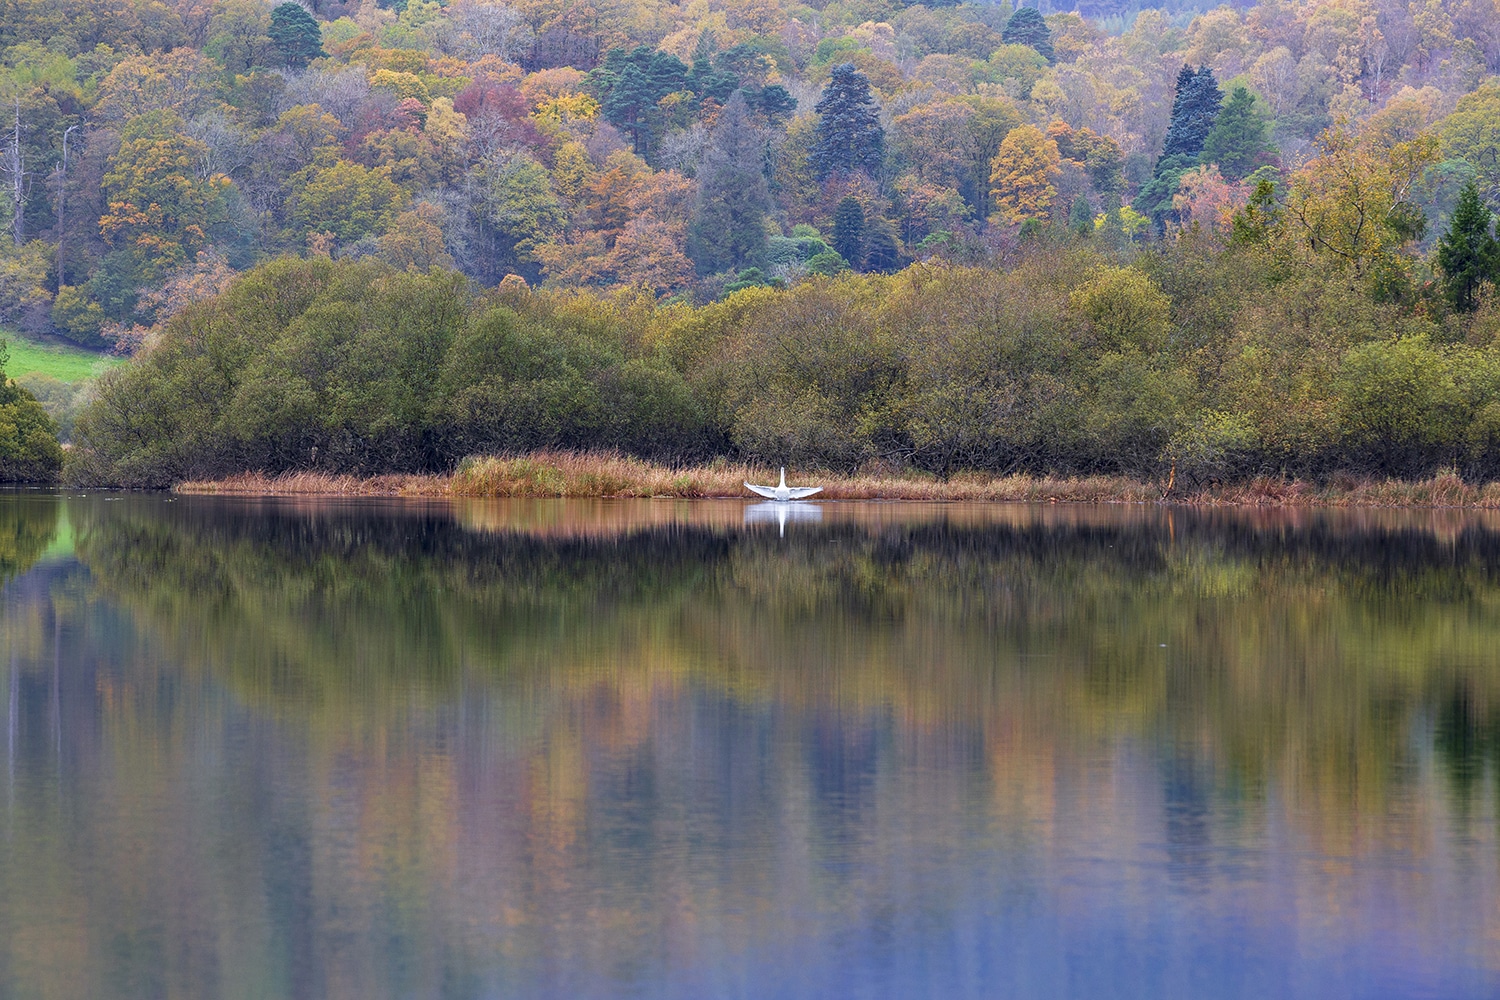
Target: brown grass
<point>576,474</point>
<point>320,484</point>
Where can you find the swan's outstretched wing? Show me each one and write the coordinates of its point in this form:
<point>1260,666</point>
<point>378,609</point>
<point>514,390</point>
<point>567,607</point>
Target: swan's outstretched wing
<point>769,492</point>
<point>798,492</point>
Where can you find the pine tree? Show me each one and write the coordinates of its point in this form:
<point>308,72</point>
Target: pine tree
<point>1194,111</point>
<point>1027,27</point>
<point>849,231</point>
<point>296,35</point>
<point>630,86</point>
<point>881,252</point>
<point>1468,254</point>
<point>1081,215</point>
<point>849,136</point>
<point>729,231</point>
<point>1237,142</point>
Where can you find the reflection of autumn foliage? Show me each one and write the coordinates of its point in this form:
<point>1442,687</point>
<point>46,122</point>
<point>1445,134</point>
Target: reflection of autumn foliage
<point>375,737</point>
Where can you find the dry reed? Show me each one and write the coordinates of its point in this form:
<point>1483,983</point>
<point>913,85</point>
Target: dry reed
<point>580,474</point>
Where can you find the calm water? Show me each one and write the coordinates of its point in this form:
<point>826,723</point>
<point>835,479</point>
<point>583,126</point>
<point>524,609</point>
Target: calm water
<point>663,749</point>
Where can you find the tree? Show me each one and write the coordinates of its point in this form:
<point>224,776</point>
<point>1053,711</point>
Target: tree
<point>1354,201</point>
<point>348,200</point>
<point>1237,142</point>
<point>1027,27</point>
<point>13,166</point>
<point>237,34</point>
<point>159,209</point>
<point>1468,254</point>
<point>849,135</point>
<point>881,252</point>
<point>1205,198</point>
<point>1081,215</point>
<point>729,230</point>
<point>295,35</point>
<point>630,86</point>
<point>849,231</point>
<point>1195,109</point>
<point>29,452</point>
<point>1021,176</point>
<point>1472,133</point>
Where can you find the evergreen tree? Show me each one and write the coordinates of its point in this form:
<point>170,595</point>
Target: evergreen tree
<point>849,136</point>
<point>706,82</point>
<point>1027,27</point>
<point>881,252</point>
<point>849,231</point>
<point>1081,215</point>
<point>775,102</point>
<point>729,225</point>
<point>630,86</point>
<point>296,36</point>
<point>1194,112</point>
<point>1467,253</point>
<point>1237,142</point>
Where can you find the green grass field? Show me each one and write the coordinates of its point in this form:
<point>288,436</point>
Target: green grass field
<point>66,364</point>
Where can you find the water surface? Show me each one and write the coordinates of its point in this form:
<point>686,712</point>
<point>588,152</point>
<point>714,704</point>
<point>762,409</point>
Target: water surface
<point>374,749</point>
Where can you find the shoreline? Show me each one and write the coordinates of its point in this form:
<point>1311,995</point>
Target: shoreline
<point>564,475</point>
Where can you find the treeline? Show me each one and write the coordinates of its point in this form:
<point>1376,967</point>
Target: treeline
<point>1200,359</point>
<point>154,148</point>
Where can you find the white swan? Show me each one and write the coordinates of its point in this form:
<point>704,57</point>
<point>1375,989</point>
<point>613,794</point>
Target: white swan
<point>782,492</point>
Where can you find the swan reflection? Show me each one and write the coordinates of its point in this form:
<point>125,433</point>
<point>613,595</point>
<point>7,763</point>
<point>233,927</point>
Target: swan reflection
<point>781,513</point>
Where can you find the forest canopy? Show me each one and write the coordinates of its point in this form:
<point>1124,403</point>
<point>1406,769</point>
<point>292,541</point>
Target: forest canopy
<point>1222,239</point>
<point>157,147</point>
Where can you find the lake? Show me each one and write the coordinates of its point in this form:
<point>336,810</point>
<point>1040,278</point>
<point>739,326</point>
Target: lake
<point>377,749</point>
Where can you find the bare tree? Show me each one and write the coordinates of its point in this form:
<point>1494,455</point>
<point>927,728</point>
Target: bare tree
<point>60,185</point>
<point>18,178</point>
<point>225,149</point>
<point>478,28</point>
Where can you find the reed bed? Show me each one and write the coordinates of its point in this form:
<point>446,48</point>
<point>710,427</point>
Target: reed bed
<point>564,474</point>
<point>289,484</point>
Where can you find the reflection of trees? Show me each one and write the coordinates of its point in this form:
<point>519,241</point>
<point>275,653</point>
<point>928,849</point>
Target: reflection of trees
<point>1310,650</point>
<point>28,523</point>
<point>425,745</point>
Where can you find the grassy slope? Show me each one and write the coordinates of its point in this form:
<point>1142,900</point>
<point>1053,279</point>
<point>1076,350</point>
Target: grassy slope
<point>66,364</point>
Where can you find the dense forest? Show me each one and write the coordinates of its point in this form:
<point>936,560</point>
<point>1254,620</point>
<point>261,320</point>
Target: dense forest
<point>1260,234</point>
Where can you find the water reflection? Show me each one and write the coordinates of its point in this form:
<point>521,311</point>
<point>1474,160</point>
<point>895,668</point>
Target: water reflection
<point>780,513</point>
<point>289,748</point>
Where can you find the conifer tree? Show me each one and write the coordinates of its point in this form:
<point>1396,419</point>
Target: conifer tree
<point>729,231</point>
<point>1194,112</point>
<point>1081,215</point>
<point>630,86</point>
<point>1237,142</point>
<point>849,231</point>
<point>1195,109</point>
<point>849,136</point>
<point>296,36</point>
<point>1027,27</point>
<point>881,252</point>
<point>1468,254</point>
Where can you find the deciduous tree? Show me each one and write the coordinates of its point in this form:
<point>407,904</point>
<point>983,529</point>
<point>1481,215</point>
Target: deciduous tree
<point>1022,175</point>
